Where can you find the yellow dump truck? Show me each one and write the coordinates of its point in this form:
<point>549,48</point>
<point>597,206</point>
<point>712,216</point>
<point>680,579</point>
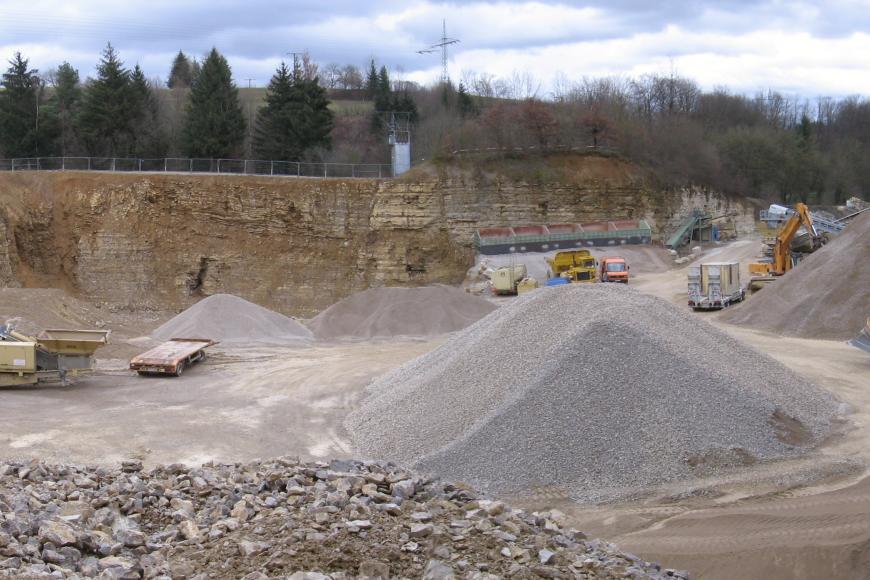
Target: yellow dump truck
<point>576,265</point>
<point>54,356</point>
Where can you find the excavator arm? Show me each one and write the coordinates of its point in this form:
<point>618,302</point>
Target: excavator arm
<point>782,246</point>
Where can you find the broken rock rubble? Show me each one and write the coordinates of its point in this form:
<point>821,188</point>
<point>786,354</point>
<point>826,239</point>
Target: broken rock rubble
<point>280,519</point>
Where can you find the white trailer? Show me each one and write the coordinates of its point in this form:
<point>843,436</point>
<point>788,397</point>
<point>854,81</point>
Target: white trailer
<point>715,285</point>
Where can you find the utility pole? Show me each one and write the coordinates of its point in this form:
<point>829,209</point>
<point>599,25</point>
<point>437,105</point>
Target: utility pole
<point>442,46</point>
<point>297,56</point>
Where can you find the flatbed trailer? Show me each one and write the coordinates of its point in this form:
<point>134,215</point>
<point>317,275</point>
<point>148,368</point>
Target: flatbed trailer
<point>172,357</point>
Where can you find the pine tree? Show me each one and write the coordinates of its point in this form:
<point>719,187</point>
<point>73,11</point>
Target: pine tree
<point>215,125</point>
<point>182,73</point>
<point>149,140</point>
<point>372,81</point>
<point>382,96</point>
<point>195,69</point>
<point>109,109</point>
<point>66,100</point>
<point>406,104</point>
<point>467,106</point>
<point>19,101</point>
<point>296,118</point>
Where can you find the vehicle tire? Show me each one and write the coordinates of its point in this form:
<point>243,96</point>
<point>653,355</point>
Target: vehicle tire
<point>179,370</point>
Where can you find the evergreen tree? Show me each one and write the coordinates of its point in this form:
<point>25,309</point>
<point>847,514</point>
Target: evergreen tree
<point>405,104</point>
<point>215,125</point>
<point>109,109</point>
<point>65,101</point>
<point>195,69</point>
<point>19,102</point>
<point>372,81</point>
<point>382,95</point>
<point>148,137</point>
<point>384,88</point>
<point>467,106</point>
<point>296,117</point>
<point>181,75</point>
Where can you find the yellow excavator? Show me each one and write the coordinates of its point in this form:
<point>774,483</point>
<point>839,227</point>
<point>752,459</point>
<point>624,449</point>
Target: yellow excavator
<point>782,255</point>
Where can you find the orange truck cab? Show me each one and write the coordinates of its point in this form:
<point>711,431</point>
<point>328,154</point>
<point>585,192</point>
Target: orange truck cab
<point>614,269</point>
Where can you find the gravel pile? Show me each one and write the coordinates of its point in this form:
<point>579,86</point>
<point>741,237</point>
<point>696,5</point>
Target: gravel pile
<point>389,312</point>
<point>596,388</point>
<point>280,519</point>
<point>826,296</point>
<point>230,319</point>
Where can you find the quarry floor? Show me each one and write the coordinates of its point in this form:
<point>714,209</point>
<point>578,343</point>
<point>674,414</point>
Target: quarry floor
<point>805,518</point>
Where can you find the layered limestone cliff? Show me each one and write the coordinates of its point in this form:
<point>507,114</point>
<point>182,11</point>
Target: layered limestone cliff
<point>295,245</point>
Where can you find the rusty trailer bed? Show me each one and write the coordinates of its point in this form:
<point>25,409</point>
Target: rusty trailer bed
<point>172,357</point>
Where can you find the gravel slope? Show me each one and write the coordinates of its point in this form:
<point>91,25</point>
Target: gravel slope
<point>231,319</point>
<point>592,387</point>
<point>388,312</point>
<point>826,296</point>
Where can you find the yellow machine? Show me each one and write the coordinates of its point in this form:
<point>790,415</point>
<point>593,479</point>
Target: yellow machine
<point>576,265</point>
<point>782,254</point>
<point>53,357</point>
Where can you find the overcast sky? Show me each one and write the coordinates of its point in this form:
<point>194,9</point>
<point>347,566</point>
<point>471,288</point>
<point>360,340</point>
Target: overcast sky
<point>799,48</point>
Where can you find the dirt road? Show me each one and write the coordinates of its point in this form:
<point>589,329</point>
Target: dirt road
<point>237,405</point>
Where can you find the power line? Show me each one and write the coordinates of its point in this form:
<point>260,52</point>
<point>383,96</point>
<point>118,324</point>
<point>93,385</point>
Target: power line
<point>442,46</point>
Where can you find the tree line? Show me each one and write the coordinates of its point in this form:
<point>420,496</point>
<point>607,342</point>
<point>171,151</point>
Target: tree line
<point>118,113</point>
<point>765,145</point>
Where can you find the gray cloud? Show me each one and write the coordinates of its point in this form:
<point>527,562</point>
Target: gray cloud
<point>609,37</point>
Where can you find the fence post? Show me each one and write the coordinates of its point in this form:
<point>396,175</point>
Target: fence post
<point>324,170</point>
<point>165,165</point>
<point>113,164</point>
<point>89,163</point>
<point>191,165</point>
<point>63,163</point>
<point>140,166</point>
<point>379,170</point>
<point>13,165</point>
<point>272,168</point>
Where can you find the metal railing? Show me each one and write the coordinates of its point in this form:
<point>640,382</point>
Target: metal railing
<point>186,165</point>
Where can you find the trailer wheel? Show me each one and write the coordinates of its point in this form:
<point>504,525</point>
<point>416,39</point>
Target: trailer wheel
<point>179,370</point>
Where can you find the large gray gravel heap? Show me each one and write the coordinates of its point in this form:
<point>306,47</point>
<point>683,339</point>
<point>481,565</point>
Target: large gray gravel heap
<point>596,388</point>
<point>281,519</point>
<point>391,312</point>
<point>232,320</point>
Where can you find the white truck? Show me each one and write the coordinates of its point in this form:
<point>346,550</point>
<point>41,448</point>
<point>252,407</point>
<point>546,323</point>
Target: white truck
<point>715,285</point>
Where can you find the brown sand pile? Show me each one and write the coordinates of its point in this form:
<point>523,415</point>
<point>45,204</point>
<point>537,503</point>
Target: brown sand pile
<point>827,296</point>
<point>386,312</point>
<point>231,319</point>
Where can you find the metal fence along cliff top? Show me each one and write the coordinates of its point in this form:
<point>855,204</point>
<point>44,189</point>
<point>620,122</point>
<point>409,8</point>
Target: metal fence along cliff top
<point>184,165</point>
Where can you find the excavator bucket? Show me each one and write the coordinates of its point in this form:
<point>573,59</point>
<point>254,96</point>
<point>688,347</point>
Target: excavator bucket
<point>862,341</point>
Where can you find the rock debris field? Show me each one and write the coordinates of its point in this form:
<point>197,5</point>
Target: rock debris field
<point>394,312</point>
<point>232,320</point>
<point>592,388</point>
<point>281,519</point>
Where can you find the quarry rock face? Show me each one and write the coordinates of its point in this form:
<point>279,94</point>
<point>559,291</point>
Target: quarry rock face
<point>293,245</point>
